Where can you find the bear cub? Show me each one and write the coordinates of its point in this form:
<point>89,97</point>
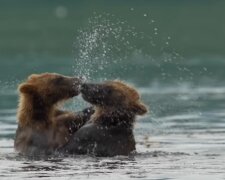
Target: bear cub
<point>42,126</point>
<point>109,132</point>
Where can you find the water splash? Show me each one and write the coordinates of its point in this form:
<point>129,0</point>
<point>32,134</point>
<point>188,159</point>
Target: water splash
<point>103,43</point>
<point>107,48</point>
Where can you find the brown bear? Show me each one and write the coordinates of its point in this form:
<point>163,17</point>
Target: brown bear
<point>110,129</point>
<point>42,126</point>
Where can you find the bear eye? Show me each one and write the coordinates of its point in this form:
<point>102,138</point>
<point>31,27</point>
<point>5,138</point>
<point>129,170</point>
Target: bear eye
<point>119,95</point>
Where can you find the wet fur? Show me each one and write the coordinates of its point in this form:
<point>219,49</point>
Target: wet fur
<point>110,129</point>
<point>42,126</point>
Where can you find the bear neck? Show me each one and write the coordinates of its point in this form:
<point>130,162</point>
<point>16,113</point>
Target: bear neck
<point>107,116</point>
<point>33,110</point>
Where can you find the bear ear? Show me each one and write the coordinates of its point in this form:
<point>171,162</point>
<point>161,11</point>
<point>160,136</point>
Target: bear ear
<point>27,88</point>
<point>139,108</point>
<point>32,76</point>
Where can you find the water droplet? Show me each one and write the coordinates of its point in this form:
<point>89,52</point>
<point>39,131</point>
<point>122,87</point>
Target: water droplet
<point>205,69</point>
<point>61,12</point>
<point>100,68</point>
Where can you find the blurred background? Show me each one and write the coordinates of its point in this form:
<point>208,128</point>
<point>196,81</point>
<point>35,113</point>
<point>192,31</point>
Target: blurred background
<point>172,51</point>
<point>38,36</point>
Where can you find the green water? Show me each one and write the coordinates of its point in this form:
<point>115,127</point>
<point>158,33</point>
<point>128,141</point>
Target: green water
<point>27,27</point>
<point>173,52</point>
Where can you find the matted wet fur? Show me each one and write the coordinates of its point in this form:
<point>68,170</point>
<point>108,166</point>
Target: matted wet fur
<point>42,126</point>
<point>110,129</point>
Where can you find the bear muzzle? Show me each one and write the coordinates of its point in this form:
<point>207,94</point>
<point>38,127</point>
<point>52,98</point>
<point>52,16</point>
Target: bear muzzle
<point>76,86</point>
<point>95,93</point>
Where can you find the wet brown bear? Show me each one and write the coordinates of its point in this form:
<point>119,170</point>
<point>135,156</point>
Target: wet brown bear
<point>42,127</point>
<point>110,129</point>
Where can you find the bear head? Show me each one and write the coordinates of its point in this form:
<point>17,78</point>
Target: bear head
<point>50,87</point>
<point>114,94</point>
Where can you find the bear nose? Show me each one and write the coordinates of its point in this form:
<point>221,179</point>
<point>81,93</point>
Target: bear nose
<point>84,87</point>
<point>77,81</point>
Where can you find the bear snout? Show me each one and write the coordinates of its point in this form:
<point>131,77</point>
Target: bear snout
<point>84,87</point>
<point>91,89</point>
<point>76,86</point>
<point>97,94</point>
<point>77,81</point>
<point>86,90</point>
<point>90,92</point>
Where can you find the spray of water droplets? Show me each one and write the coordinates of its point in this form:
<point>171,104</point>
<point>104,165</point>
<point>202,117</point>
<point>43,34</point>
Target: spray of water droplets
<point>104,42</point>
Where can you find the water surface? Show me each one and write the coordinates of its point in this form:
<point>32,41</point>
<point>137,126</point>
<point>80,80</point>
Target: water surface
<point>172,53</point>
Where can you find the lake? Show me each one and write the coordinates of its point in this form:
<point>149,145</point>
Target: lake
<point>172,52</point>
